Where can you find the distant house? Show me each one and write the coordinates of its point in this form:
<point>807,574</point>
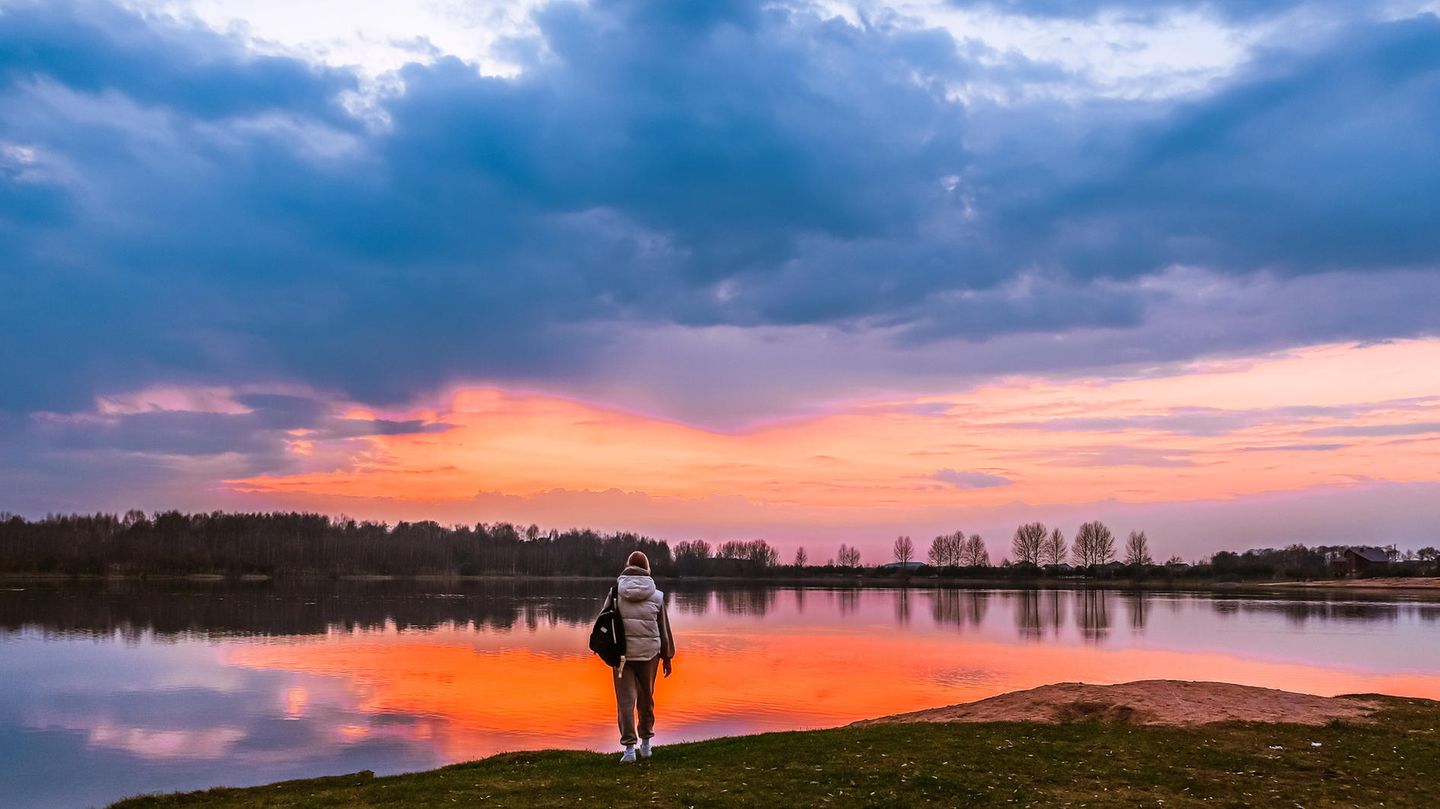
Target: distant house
<point>1360,561</point>
<point>908,567</point>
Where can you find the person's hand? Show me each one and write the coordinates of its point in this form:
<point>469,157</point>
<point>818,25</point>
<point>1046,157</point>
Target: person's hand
<point>665,664</point>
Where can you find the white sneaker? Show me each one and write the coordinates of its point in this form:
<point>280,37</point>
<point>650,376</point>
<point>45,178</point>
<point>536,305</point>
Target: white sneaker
<point>629,756</point>
<point>645,748</point>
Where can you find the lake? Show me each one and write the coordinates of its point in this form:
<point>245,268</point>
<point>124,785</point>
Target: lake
<point>114,688</point>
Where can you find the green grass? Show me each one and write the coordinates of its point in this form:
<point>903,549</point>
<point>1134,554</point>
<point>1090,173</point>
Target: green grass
<point>1393,762</point>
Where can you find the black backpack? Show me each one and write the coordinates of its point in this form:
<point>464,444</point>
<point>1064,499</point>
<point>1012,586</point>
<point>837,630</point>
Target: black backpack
<point>607,637</point>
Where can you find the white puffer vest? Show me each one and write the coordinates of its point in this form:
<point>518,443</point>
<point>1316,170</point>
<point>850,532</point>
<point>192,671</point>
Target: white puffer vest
<point>640,605</point>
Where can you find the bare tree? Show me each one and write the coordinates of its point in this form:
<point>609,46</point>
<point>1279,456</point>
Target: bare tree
<point>1028,542</point>
<point>904,550</point>
<point>801,557</point>
<point>1054,550</point>
<point>1094,544</point>
<point>848,556</point>
<point>938,556</point>
<point>978,551</point>
<point>947,549</point>
<point>1137,549</point>
<point>974,554</point>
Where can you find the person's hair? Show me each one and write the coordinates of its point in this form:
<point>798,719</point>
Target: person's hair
<point>638,559</point>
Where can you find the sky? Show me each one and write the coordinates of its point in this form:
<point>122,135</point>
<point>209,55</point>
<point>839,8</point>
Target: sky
<point>813,272</point>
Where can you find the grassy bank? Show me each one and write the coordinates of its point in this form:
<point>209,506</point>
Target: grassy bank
<point>1393,761</point>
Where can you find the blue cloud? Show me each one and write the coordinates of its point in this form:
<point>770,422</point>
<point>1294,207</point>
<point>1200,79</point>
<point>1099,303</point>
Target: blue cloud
<point>1412,428</point>
<point>971,480</point>
<point>94,47</point>
<point>1309,163</point>
<point>196,212</point>
<point>1155,9</point>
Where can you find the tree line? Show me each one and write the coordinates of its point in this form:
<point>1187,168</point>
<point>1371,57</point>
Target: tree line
<point>265,543</point>
<point>1032,544</point>
<point>173,543</point>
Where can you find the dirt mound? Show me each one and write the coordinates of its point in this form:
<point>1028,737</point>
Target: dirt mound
<point>1147,702</point>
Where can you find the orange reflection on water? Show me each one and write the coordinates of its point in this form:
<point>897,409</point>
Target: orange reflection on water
<point>472,695</point>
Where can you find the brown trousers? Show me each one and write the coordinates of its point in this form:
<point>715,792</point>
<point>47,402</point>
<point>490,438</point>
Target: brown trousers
<point>635,692</point>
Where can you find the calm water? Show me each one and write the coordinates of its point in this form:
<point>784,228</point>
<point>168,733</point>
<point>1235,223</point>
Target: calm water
<point>115,689</point>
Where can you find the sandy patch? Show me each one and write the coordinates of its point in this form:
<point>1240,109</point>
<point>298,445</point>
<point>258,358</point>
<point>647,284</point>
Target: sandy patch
<point>1147,702</point>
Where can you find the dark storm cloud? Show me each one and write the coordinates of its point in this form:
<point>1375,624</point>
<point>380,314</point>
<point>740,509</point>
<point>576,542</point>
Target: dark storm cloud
<point>98,48</point>
<point>72,462</point>
<point>1308,164</point>
<point>264,431</point>
<point>175,208</point>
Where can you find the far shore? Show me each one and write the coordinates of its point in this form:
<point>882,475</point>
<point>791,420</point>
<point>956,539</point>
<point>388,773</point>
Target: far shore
<point>1387,584</point>
<point>1413,587</point>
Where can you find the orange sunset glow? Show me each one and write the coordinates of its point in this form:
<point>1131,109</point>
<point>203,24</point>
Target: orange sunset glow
<point>481,693</point>
<point>1328,416</point>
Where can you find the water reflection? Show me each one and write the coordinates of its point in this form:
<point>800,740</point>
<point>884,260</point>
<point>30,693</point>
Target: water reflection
<point>184,685</point>
<point>959,608</point>
<point>133,610</point>
<point>1138,605</point>
<point>690,602</point>
<point>746,601</point>
<point>1040,613</point>
<point>1092,613</point>
<point>1300,612</point>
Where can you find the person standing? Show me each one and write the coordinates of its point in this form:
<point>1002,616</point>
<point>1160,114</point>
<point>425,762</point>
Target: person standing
<point>649,647</point>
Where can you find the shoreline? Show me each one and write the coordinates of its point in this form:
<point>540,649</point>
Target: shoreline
<point>1380,584</point>
<point>1176,743</point>
<point>1417,587</point>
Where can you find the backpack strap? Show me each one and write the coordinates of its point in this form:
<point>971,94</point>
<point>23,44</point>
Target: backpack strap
<point>614,604</point>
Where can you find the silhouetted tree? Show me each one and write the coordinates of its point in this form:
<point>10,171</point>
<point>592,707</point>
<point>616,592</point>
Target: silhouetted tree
<point>974,553</point>
<point>1028,542</point>
<point>1054,550</point>
<point>757,552</point>
<point>173,543</point>
<point>1094,544</point>
<point>1137,549</point>
<point>946,549</point>
<point>801,557</point>
<point>904,549</point>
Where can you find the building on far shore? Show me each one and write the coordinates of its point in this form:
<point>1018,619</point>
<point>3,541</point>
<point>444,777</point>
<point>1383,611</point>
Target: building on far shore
<point>1363,561</point>
<point>908,567</point>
